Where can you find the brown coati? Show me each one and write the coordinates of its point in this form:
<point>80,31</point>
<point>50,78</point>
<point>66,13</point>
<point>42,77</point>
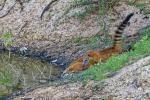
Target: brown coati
<point>93,57</point>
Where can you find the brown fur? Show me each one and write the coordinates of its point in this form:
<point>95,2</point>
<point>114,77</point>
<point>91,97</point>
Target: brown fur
<point>93,57</point>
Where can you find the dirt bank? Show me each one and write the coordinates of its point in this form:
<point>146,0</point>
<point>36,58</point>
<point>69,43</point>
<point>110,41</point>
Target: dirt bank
<point>131,83</point>
<point>51,35</point>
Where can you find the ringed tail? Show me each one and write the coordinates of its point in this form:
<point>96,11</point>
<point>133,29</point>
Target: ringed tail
<point>119,31</point>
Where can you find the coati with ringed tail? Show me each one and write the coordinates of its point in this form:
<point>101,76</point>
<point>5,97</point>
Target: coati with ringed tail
<point>95,56</point>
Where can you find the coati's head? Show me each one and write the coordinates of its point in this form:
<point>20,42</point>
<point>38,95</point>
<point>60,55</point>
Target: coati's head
<point>93,56</point>
<point>74,67</point>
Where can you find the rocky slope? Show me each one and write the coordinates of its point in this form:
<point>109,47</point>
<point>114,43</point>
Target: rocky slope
<point>52,34</point>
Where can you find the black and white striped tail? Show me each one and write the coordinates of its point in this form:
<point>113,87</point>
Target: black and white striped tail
<point>119,31</point>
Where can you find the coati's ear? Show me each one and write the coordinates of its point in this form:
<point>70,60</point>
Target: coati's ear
<point>88,53</point>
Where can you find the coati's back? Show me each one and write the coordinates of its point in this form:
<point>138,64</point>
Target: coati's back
<point>100,55</point>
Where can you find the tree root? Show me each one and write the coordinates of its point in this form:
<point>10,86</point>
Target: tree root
<point>47,8</point>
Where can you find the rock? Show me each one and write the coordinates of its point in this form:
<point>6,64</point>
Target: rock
<point>131,82</point>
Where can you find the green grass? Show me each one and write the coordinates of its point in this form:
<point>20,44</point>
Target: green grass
<point>92,41</point>
<point>141,6</point>
<point>98,71</point>
<point>90,7</point>
<point>5,81</point>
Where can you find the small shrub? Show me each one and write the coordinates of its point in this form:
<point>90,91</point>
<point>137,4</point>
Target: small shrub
<point>7,40</point>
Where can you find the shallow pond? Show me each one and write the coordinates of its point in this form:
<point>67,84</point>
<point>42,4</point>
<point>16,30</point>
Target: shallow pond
<point>19,72</point>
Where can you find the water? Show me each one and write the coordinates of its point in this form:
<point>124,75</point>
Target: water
<point>19,72</point>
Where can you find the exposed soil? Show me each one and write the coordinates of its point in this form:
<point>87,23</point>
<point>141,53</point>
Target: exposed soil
<point>37,35</point>
<point>50,38</point>
<point>131,83</point>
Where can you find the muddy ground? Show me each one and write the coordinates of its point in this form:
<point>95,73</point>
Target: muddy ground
<point>53,37</point>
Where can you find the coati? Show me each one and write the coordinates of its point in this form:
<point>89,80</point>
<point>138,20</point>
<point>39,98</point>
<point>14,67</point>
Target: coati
<point>93,57</point>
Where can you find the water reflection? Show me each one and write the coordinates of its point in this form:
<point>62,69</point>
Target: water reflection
<point>19,72</point>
